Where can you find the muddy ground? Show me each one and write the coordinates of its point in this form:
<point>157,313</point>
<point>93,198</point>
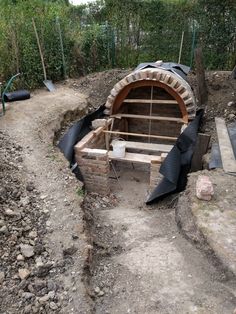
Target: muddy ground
<point>60,254</point>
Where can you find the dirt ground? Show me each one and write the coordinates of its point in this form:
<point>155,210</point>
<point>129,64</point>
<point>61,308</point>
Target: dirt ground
<point>110,254</point>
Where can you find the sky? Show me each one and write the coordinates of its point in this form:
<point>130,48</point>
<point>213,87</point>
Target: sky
<point>80,1</point>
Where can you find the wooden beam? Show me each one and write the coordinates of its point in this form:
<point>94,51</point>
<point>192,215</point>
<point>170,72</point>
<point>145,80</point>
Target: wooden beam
<point>157,118</point>
<point>152,147</point>
<point>153,101</point>
<point>139,158</point>
<point>201,148</point>
<point>226,150</point>
<point>142,135</point>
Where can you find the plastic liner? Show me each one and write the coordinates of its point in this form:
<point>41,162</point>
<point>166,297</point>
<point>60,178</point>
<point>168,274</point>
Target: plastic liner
<point>75,134</point>
<point>177,164</point>
<point>176,68</point>
<point>17,95</point>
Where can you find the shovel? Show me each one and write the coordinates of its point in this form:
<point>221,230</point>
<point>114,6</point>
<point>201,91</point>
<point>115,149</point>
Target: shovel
<point>46,82</point>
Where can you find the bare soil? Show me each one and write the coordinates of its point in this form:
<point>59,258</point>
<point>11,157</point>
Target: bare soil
<point>109,255</point>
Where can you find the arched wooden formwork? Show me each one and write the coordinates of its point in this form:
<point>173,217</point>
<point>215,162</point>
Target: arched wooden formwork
<point>172,83</point>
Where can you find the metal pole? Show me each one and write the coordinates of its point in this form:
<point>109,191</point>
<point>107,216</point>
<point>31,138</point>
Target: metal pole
<point>62,48</point>
<point>181,46</point>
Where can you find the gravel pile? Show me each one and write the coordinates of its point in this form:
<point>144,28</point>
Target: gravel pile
<point>27,271</point>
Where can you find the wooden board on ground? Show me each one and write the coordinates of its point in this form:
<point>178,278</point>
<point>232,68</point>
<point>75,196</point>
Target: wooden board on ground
<point>148,146</point>
<point>139,158</point>
<point>226,150</point>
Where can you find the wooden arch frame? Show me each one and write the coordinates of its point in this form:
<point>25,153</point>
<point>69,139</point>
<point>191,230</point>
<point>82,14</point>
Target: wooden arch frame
<point>121,96</point>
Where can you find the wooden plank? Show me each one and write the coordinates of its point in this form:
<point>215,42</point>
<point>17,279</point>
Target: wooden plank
<point>148,146</point>
<point>139,158</point>
<point>226,150</point>
<point>142,135</point>
<point>137,116</point>
<point>153,101</point>
<point>200,150</point>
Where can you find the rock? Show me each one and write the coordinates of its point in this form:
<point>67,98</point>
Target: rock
<point>27,250</point>
<point>204,188</point>
<point>27,295</point>
<point>30,187</point>
<point>10,213</point>
<point>20,257</point>
<point>53,306</point>
<point>33,234</point>
<point>97,290</point>
<point>28,309</point>
<point>98,123</point>
<point>51,295</point>
<point>231,116</point>
<point>4,230</point>
<point>23,273</point>
<point>44,299</point>
<point>69,251</point>
<point>2,223</point>
<point>231,103</point>
<point>2,277</point>
<point>52,286</point>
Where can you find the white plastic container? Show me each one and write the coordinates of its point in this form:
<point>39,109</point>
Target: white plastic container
<point>118,148</point>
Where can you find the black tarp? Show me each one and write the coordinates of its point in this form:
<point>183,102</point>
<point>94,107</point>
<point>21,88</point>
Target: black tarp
<point>75,134</point>
<point>176,68</point>
<point>177,163</point>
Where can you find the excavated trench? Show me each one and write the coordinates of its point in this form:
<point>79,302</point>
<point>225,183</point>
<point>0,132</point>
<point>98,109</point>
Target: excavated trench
<point>140,260</point>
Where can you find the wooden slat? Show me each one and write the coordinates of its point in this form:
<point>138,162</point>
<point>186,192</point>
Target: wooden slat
<point>153,101</point>
<point>226,150</point>
<point>137,116</point>
<point>142,135</point>
<point>139,158</point>
<point>148,146</point>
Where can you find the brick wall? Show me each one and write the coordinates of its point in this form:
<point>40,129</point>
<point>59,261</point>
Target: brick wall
<point>94,166</point>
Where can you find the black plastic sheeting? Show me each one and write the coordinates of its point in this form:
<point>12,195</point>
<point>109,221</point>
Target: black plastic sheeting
<point>17,95</point>
<point>176,68</point>
<point>177,164</point>
<point>75,134</point>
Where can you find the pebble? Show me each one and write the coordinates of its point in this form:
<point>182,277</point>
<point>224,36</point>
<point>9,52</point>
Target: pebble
<point>27,250</point>
<point>2,223</point>
<point>23,273</point>
<point>27,295</point>
<point>2,276</point>
<point>4,230</point>
<point>33,234</point>
<point>231,116</point>
<point>53,306</point>
<point>44,299</point>
<point>20,257</point>
<point>10,213</point>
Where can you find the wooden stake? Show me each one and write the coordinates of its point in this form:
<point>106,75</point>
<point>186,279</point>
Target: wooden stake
<point>201,81</point>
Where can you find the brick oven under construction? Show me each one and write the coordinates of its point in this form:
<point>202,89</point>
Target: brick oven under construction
<point>147,110</point>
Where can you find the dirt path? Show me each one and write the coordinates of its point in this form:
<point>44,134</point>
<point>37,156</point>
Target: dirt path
<point>32,124</point>
<point>152,268</point>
